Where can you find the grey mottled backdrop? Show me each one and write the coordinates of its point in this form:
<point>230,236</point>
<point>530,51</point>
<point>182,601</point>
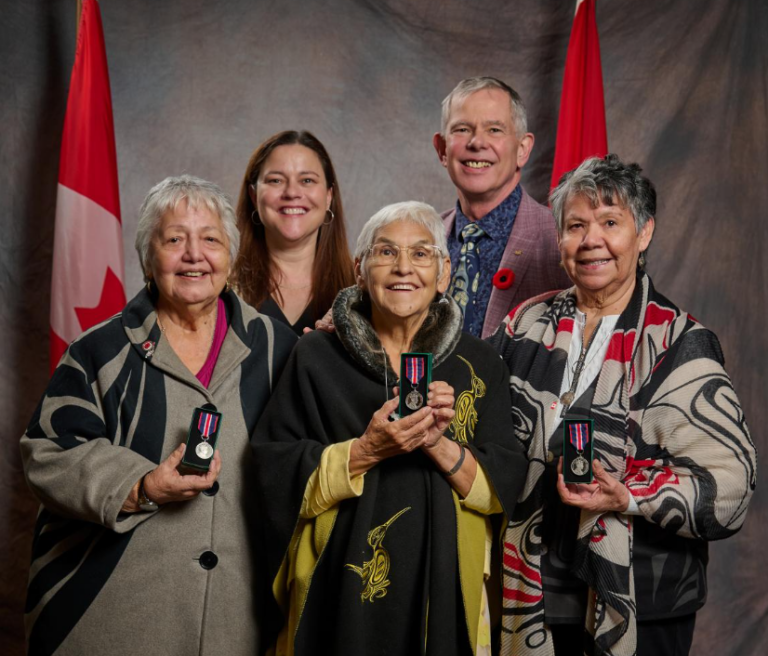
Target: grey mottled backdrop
<point>197,85</point>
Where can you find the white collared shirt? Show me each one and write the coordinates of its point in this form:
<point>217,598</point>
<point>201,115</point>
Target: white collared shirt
<point>594,358</point>
<point>592,365</point>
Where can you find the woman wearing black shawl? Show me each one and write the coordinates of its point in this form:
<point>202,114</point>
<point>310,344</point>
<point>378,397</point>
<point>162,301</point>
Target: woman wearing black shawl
<point>376,528</point>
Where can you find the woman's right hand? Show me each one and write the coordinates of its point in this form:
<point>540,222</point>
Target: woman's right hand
<point>384,438</point>
<point>166,483</point>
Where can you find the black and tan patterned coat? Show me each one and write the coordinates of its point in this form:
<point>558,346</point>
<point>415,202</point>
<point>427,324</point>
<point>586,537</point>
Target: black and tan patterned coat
<point>178,581</point>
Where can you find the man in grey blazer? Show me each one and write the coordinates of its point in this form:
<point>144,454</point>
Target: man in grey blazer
<point>484,144</point>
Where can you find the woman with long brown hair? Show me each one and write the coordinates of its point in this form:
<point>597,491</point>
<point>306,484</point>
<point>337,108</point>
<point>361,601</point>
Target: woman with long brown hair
<point>293,256</point>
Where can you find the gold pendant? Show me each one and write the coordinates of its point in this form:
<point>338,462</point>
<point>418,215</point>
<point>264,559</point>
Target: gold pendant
<point>567,398</point>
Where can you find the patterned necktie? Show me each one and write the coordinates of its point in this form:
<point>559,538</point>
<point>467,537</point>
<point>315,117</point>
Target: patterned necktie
<point>467,276</point>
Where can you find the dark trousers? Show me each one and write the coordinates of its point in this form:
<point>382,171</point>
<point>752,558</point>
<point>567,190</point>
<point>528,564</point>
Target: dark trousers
<point>666,637</point>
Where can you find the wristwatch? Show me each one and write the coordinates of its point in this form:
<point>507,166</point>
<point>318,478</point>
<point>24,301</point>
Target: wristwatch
<point>146,504</point>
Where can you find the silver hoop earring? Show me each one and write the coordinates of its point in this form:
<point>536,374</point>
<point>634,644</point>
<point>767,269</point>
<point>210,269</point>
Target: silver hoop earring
<point>333,216</point>
<point>255,219</point>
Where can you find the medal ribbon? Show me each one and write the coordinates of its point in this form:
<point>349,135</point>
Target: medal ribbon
<point>579,435</point>
<point>414,369</point>
<point>206,424</point>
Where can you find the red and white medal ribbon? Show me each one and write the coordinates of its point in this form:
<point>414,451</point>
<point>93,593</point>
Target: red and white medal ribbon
<point>206,424</point>
<point>414,371</point>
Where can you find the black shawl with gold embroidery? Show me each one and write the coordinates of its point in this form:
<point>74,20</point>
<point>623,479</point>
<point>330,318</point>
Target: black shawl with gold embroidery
<point>388,576</point>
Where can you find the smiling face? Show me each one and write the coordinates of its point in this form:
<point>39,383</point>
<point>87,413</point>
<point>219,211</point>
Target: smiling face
<point>292,194</point>
<point>401,291</point>
<point>189,259</point>
<point>600,247</point>
<point>481,150</point>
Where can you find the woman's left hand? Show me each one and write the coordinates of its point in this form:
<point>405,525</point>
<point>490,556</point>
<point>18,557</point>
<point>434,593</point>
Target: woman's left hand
<point>440,398</point>
<point>606,494</point>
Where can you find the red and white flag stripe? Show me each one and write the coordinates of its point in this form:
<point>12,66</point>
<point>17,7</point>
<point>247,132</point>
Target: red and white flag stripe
<point>581,129</point>
<point>87,284</point>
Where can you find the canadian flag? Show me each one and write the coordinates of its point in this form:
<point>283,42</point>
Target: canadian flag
<point>87,284</point>
<point>581,131</point>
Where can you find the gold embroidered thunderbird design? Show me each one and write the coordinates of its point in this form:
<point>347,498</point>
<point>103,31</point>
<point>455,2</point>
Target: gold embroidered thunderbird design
<point>464,421</point>
<point>374,572</point>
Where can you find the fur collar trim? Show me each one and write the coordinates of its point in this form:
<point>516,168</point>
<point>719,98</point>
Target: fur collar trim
<point>438,335</point>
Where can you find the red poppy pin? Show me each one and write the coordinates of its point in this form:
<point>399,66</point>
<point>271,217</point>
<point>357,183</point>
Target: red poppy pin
<point>503,278</point>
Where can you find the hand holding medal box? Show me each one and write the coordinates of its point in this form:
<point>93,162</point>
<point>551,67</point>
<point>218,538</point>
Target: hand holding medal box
<point>202,438</point>
<point>577,450</point>
<point>415,377</point>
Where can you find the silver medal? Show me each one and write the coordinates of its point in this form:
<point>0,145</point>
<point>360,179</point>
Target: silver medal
<point>414,400</point>
<point>580,466</point>
<point>204,450</point>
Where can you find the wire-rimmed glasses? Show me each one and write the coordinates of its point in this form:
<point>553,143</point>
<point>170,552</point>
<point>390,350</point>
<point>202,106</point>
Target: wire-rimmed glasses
<point>421,256</point>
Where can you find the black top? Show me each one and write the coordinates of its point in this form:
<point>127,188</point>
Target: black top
<point>306,320</point>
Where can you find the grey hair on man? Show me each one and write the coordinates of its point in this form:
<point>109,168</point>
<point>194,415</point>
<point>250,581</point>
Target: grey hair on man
<point>166,196</point>
<point>471,85</point>
<point>412,211</point>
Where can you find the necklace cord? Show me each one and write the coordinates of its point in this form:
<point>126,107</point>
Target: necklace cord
<point>386,383</point>
<point>569,396</point>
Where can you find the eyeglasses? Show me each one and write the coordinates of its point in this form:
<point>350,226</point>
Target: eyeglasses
<point>420,256</point>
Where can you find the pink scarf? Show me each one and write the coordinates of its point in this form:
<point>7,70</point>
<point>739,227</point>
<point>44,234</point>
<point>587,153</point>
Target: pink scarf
<point>220,332</point>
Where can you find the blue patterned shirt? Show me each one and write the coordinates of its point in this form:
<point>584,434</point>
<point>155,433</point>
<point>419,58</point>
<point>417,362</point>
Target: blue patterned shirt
<point>497,225</point>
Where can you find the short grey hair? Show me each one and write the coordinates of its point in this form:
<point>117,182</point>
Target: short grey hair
<point>472,85</point>
<point>609,181</point>
<point>413,211</point>
<point>166,196</point>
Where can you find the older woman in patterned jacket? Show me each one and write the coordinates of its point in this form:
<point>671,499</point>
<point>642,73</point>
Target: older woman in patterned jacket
<point>128,556</point>
<point>616,565</point>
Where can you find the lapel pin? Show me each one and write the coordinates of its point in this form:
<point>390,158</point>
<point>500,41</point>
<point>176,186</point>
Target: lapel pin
<point>503,278</point>
<point>518,252</point>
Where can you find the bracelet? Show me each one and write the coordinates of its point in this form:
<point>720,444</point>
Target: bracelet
<point>145,503</point>
<point>460,462</point>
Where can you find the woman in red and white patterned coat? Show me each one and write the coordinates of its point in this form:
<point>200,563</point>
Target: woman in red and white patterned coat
<point>617,566</point>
